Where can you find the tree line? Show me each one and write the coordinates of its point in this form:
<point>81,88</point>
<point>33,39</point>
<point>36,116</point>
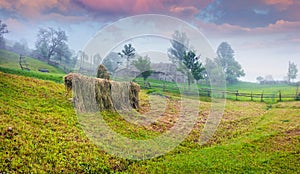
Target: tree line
<point>186,60</point>
<point>292,73</point>
<point>51,46</point>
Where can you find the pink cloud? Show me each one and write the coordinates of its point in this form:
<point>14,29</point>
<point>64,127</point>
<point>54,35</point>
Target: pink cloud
<point>279,27</point>
<point>5,4</point>
<point>132,7</point>
<point>280,35</point>
<point>104,10</point>
<point>34,10</point>
<point>186,11</point>
<point>282,4</point>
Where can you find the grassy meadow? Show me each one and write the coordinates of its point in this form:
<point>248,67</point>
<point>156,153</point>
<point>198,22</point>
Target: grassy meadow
<point>40,133</point>
<point>9,63</point>
<point>245,89</point>
<point>11,60</point>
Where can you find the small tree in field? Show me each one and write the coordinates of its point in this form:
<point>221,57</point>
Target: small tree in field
<point>143,64</point>
<point>292,71</point>
<point>259,79</point>
<point>128,53</point>
<point>192,67</point>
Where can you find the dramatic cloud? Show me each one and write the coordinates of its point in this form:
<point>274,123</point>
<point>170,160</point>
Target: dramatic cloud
<point>255,13</point>
<point>120,8</point>
<point>39,10</point>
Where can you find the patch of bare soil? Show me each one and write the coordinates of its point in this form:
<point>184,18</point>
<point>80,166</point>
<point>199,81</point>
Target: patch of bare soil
<point>161,113</point>
<point>292,104</point>
<point>294,132</point>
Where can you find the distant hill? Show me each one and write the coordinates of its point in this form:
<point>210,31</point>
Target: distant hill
<point>11,60</point>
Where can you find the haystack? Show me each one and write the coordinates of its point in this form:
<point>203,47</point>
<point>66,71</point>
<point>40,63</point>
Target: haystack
<point>68,82</point>
<point>102,72</point>
<point>96,94</point>
<point>125,95</point>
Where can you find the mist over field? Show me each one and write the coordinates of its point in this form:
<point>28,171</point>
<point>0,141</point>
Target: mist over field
<point>264,34</point>
<point>162,86</point>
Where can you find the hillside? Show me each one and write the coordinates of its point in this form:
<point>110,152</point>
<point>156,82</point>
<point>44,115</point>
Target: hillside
<point>45,136</point>
<point>11,60</point>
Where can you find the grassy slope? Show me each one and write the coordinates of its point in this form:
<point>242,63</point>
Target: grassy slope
<point>11,60</point>
<point>9,63</point>
<point>46,136</point>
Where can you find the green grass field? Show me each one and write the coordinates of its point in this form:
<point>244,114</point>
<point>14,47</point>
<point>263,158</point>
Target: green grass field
<point>9,63</point>
<point>245,89</point>
<point>11,60</point>
<point>46,136</point>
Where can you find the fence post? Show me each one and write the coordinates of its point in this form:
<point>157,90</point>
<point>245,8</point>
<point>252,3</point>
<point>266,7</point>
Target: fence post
<point>208,92</point>
<point>262,97</point>
<point>236,94</point>
<point>280,96</point>
<point>223,95</point>
<point>251,96</point>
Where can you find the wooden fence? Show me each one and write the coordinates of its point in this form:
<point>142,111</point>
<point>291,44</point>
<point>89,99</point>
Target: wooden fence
<point>234,94</point>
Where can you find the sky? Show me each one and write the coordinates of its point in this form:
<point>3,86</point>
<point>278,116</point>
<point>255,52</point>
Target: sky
<point>265,34</point>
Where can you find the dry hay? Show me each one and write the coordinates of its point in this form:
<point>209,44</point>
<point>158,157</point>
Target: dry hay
<point>103,94</point>
<point>95,94</point>
<point>102,72</point>
<point>125,95</point>
<point>68,82</point>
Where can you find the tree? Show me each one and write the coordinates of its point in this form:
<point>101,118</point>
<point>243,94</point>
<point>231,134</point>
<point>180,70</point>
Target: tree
<point>269,78</point>
<point>21,47</point>
<point>97,59</point>
<point>112,62</point>
<point>292,71</point>
<point>198,70</point>
<point>186,60</point>
<point>63,55</point>
<point>3,30</point>
<point>51,43</point>
<point>232,69</point>
<point>179,45</point>
<point>143,64</point>
<point>213,72</point>
<point>191,66</point>
<point>259,79</point>
<point>128,52</point>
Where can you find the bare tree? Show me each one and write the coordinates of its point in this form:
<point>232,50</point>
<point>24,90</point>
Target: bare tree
<point>3,30</point>
<point>51,42</point>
